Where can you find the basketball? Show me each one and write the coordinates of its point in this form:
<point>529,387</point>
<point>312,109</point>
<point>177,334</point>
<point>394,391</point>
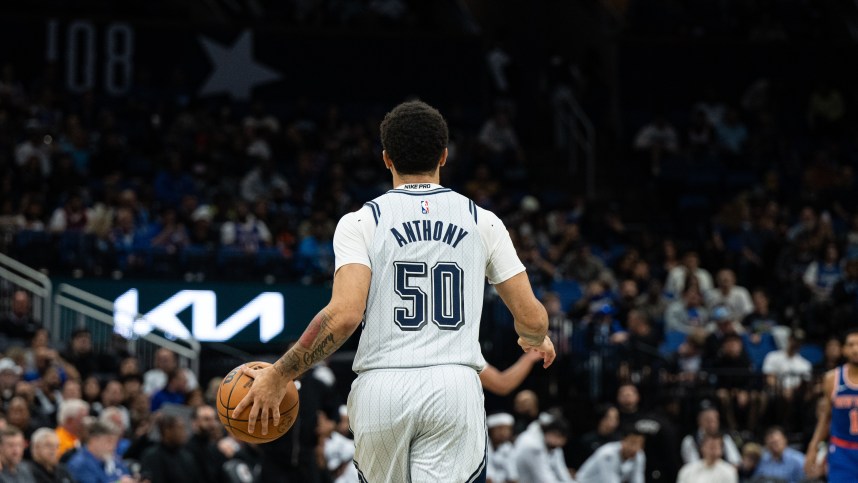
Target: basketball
<point>233,389</point>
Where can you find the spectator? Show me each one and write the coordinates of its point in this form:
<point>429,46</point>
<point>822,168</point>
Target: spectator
<point>752,453</point>
<point>607,431</point>
<point>787,369</point>
<point>245,232</point>
<point>70,424</point>
<point>779,460</point>
<point>165,362</point>
<point>728,294</point>
<point>628,401</point>
<point>844,295</point>
<point>619,462</point>
<point>732,133</point>
<point>708,425</point>
<point>584,267</point>
<point>46,466</point>
<point>826,107</point>
<point>204,444</point>
<point>526,408</point>
<point>80,353</point>
<point>12,446</point>
<point>18,415</point>
<point>761,320</point>
<point>170,460</point>
<point>732,370</point>
<point>678,275</point>
<point>339,453</point>
<point>498,138</point>
<point>173,183</point>
<point>723,324</point>
<point>175,392</point>
<point>500,463</point>
<point>688,313</point>
<point>19,326</point>
<point>96,462</point>
<point>657,140</point>
<point>173,236</point>
<point>72,216</point>
<point>34,149</point>
<point>263,182</point>
<point>823,274</point>
<point>10,374</point>
<point>539,451</point>
<point>710,468</point>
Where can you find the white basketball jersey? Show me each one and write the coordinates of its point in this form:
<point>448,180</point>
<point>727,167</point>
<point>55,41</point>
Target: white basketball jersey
<point>430,250</point>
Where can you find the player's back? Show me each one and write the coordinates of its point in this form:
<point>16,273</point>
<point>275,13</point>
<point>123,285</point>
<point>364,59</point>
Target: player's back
<point>428,261</point>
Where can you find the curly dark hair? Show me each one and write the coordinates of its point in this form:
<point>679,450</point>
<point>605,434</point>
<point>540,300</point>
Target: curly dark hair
<point>414,134</point>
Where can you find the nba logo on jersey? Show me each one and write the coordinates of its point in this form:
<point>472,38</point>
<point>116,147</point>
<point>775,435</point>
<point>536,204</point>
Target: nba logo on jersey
<point>424,207</point>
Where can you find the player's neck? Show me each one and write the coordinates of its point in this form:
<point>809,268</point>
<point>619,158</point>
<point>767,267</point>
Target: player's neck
<point>852,370</point>
<point>399,180</point>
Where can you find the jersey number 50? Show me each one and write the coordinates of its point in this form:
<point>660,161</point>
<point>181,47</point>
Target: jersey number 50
<point>447,308</point>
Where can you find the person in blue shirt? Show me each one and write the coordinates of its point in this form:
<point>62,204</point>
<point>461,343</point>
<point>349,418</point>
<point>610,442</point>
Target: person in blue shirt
<point>174,392</point>
<point>96,461</point>
<point>780,461</point>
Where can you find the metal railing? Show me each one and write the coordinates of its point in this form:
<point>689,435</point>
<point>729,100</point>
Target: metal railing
<point>574,132</point>
<point>75,308</point>
<point>15,276</point>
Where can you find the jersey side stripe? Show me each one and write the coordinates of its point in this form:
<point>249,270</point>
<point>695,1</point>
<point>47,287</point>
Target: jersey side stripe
<point>372,209</point>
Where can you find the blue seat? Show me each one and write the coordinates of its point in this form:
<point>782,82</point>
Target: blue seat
<point>812,352</point>
<point>758,352</point>
<point>569,292</point>
<point>672,340</point>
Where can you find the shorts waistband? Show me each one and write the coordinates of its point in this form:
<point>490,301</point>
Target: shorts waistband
<point>417,368</point>
<point>842,443</point>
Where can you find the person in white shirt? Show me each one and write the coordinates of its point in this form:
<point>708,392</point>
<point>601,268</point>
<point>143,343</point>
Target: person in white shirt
<point>787,369</point>
<point>539,452</point>
<point>708,424</point>
<point>711,468</point>
<point>500,465</point>
<point>620,462</point>
<point>690,265</point>
<point>165,362</point>
<point>730,295</point>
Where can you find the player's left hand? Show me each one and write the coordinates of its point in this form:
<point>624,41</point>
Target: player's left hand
<point>263,398</point>
<point>546,349</point>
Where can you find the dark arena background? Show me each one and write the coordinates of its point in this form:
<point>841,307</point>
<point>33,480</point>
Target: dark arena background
<point>679,178</point>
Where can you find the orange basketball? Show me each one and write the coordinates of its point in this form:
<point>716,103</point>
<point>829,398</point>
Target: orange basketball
<point>232,390</point>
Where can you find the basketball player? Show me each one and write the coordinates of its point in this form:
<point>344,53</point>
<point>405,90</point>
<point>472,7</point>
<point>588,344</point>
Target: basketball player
<point>838,420</point>
<point>412,266</point>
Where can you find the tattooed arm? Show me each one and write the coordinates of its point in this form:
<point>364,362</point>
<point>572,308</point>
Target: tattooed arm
<point>328,330</point>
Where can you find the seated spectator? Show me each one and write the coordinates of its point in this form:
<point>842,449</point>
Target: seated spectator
<point>832,356</point>
<point>642,344</point>
<point>263,182</point>
<point>19,326</point>
<point>584,267</point>
<point>618,462</point>
<point>72,216</point>
<point>126,238</point>
<point>823,274</point>
<point>709,425</point>
<point>245,232</point>
<point>752,453</point>
<point>709,468</point>
<point>628,404</point>
<point>71,419</point>
<point>202,233</point>
<point>46,466</point>
<point>688,313</point>
<point>786,369</point>
<point>677,276</point>
<point>735,298</point>
<point>204,443</point>
<point>732,371</point>
<point>172,236</point>
<point>761,320</point>
<point>779,460</point>
<point>12,446</point>
<point>498,138</point>
<point>500,463</point>
<point>683,367</point>
<point>175,392</point>
<point>156,378</point>
<point>169,460</point>
<point>526,409</point>
<point>559,325</point>
<point>80,354</point>
<point>656,140</point>
<point>539,451</point>
<point>96,460</point>
<point>119,418</point>
<point>607,431</point>
<point>18,415</point>
<point>723,324</point>
<point>10,374</point>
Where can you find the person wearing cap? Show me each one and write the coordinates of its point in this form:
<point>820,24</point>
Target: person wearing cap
<point>500,461</point>
<point>539,451</point>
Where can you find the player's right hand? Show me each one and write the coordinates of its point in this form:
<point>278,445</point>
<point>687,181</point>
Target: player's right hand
<point>546,349</point>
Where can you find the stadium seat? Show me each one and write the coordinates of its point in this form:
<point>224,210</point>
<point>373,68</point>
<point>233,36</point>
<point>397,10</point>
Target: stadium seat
<point>812,352</point>
<point>758,352</point>
<point>569,292</point>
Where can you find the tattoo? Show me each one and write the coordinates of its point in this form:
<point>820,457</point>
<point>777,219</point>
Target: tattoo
<point>317,343</point>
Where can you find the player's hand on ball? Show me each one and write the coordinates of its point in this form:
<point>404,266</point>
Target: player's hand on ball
<point>263,398</point>
<point>545,349</point>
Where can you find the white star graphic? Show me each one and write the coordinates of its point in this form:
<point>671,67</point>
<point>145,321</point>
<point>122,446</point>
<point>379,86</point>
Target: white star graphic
<point>235,71</point>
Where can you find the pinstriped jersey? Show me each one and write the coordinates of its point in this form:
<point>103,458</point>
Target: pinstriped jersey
<point>430,250</point>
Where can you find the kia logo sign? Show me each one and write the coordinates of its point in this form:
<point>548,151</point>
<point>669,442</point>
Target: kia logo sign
<point>266,307</point>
